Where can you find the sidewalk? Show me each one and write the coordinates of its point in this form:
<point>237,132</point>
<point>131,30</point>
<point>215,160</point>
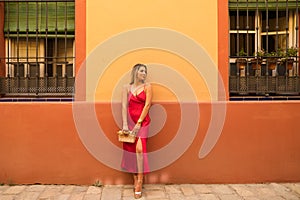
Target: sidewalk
<point>269,191</point>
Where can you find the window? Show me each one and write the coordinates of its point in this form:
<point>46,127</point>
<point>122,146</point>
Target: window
<point>39,48</point>
<point>264,43</point>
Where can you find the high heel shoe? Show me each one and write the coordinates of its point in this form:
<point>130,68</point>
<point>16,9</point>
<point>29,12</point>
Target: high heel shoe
<point>138,190</point>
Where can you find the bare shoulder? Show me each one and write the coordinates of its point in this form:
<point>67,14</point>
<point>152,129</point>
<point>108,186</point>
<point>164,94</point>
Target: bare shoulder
<point>148,86</point>
<point>126,87</point>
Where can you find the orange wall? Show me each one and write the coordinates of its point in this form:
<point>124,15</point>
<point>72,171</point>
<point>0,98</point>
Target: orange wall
<point>259,142</point>
<point>153,32</point>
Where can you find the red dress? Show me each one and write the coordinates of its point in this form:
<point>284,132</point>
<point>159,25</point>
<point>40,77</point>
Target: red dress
<point>135,108</point>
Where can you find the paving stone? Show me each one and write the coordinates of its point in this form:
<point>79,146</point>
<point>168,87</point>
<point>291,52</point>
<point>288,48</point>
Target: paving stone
<point>94,190</point>
<point>230,197</point>
<point>55,187</point>
<point>251,198</point>
<point>92,197</point>
<point>187,190</point>
<point>154,194</point>
<point>80,188</point>
<point>173,189</point>
<point>127,192</point>
<point>208,197</point>
<point>128,198</point>
<point>222,189</point>
<point>111,193</point>
<point>290,196</point>
<point>242,190</point>
<point>7,197</point>
<point>262,190</point>
<point>28,196</point>
<point>14,189</point>
<point>266,191</point>
<point>63,197</point>
<point>77,196</point>
<point>35,188</point>
<point>271,198</point>
<point>67,189</point>
<point>202,189</point>
<point>194,197</point>
<point>3,188</point>
<point>293,186</point>
<point>128,186</point>
<point>47,198</point>
<point>50,192</point>
<point>176,196</point>
<point>153,186</point>
<point>284,191</point>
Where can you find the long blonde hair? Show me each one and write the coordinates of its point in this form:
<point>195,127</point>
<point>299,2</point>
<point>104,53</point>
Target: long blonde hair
<point>135,68</point>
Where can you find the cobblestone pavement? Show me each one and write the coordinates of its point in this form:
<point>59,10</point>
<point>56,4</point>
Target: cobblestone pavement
<point>268,191</point>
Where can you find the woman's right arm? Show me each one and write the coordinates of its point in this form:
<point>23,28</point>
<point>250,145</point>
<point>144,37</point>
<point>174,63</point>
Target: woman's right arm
<point>124,107</point>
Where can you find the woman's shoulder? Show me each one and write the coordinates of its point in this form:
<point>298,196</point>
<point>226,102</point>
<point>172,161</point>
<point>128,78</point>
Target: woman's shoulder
<point>126,87</point>
<point>147,85</point>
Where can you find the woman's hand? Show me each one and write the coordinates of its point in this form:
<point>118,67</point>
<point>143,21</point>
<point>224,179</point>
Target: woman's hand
<point>125,127</point>
<point>136,128</point>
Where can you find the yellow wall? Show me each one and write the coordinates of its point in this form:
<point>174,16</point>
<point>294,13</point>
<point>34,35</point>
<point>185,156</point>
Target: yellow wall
<point>110,60</point>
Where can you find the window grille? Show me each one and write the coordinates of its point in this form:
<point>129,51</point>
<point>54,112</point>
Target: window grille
<point>264,49</point>
<point>37,46</point>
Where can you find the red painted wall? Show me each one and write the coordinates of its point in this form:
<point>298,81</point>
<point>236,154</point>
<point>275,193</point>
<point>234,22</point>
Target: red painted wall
<point>259,142</point>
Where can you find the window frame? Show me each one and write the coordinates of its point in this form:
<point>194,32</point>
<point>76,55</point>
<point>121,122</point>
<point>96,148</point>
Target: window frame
<point>264,83</point>
<point>35,81</point>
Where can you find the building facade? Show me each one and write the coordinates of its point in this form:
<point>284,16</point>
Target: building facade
<point>63,64</point>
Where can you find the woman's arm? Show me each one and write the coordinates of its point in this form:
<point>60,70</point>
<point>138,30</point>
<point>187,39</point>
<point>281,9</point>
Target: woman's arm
<point>148,90</point>
<point>124,107</point>
<point>145,110</point>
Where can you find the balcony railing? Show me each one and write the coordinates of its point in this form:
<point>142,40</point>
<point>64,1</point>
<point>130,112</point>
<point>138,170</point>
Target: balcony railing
<point>264,79</point>
<point>37,86</point>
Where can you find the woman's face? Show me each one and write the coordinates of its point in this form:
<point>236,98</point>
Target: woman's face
<point>141,74</point>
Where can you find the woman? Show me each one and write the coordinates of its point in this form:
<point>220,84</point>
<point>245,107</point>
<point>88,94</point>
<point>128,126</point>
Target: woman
<point>136,102</point>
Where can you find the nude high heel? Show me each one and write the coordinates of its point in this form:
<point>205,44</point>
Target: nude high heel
<point>138,189</point>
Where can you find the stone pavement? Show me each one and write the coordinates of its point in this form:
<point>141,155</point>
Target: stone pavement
<point>268,191</point>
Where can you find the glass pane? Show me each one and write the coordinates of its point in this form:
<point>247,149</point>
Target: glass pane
<point>242,42</point>
<point>19,69</point>
<point>272,21</point>
<point>59,70</point>
<point>242,20</point>
<point>271,40</point>
<point>33,71</point>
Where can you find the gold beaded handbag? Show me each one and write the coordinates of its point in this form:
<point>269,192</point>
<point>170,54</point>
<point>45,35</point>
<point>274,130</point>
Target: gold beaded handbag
<point>126,136</point>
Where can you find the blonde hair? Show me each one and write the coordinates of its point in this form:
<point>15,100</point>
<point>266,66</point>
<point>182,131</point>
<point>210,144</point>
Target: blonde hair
<point>135,68</point>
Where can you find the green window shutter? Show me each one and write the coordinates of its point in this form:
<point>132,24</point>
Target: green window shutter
<point>261,4</point>
<point>60,16</point>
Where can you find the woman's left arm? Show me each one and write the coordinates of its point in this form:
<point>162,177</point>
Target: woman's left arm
<point>148,90</point>
<point>145,110</point>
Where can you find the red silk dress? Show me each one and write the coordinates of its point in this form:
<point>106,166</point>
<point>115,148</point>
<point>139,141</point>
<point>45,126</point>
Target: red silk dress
<point>135,108</point>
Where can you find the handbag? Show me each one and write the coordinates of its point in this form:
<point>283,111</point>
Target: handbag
<point>126,136</point>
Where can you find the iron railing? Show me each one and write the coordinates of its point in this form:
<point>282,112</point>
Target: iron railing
<point>260,82</point>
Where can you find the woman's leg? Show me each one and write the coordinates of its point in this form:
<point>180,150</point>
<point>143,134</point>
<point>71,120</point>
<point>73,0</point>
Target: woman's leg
<point>140,164</point>
<point>135,180</point>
